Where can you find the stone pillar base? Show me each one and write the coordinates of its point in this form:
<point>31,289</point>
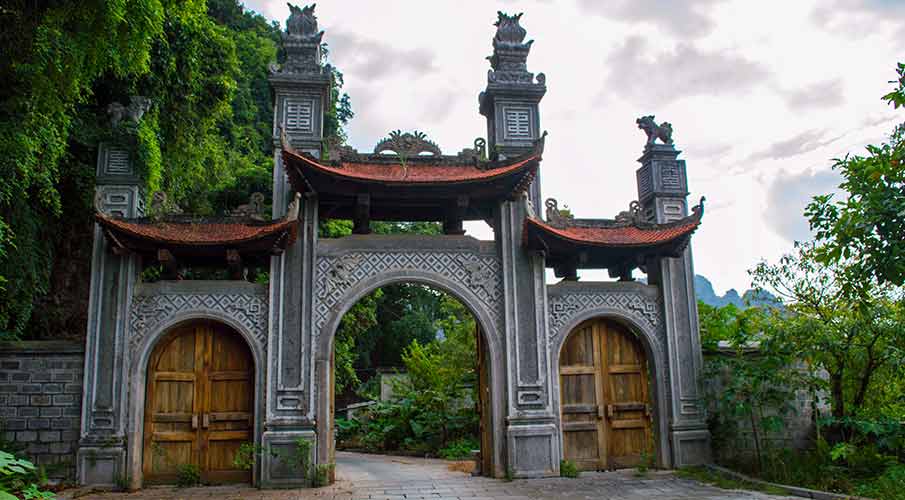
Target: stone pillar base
<point>533,450</point>
<point>102,466</point>
<point>690,446</point>
<point>280,463</point>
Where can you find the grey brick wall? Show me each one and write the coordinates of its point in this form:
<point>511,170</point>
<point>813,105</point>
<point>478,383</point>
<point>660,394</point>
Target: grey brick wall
<point>40,401</point>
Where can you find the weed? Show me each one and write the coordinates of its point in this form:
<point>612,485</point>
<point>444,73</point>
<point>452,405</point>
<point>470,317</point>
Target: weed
<point>567,468</point>
<point>188,475</point>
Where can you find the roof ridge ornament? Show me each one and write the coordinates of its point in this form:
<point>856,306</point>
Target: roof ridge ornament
<point>407,144</point>
<point>662,131</point>
<point>254,209</point>
<point>162,206</point>
<point>633,216</point>
<point>555,216</point>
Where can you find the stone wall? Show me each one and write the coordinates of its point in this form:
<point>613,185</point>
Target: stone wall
<point>797,432</point>
<point>40,402</point>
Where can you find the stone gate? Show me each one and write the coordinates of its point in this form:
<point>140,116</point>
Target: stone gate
<point>289,322</point>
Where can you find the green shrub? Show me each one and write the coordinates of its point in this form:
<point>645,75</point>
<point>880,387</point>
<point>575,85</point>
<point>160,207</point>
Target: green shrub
<point>19,476</point>
<point>567,468</point>
<point>188,475</point>
<point>889,486</point>
<point>459,449</point>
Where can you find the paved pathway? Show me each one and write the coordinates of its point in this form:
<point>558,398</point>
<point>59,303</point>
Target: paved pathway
<point>401,478</point>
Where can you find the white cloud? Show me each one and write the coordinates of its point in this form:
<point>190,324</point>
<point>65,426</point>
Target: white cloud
<point>757,92</point>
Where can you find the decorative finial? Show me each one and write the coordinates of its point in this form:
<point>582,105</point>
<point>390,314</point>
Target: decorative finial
<point>253,209</point>
<point>301,42</point>
<point>508,30</point>
<point>539,144</point>
<point>662,131</point>
<point>407,144</point>
<point>292,213</point>
<point>302,22</point>
<point>510,53</point>
<point>555,216</point>
<point>632,216</point>
<point>138,106</point>
<point>285,143</point>
<point>699,208</point>
<point>161,206</point>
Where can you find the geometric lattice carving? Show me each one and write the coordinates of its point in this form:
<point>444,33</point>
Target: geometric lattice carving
<point>517,122</point>
<point>148,311</point>
<point>636,305</point>
<point>299,115</point>
<point>481,274</point>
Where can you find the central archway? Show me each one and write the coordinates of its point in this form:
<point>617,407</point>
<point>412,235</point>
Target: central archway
<point>486,325</point>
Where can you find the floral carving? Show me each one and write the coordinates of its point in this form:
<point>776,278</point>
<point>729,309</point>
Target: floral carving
<point>407,144</point>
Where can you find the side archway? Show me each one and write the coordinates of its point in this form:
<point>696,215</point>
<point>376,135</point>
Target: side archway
<point>141,354</point>
<point>486,321</point>
<point>657,365</point>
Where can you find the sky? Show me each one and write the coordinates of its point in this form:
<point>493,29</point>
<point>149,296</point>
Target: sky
<point>762,95</point>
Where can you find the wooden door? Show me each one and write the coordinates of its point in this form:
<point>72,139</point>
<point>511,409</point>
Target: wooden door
<point>605,403</point>
<point>198,405</point>
<point>485,422</point>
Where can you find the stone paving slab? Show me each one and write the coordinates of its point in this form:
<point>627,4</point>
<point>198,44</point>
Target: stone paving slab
<point>375,477</point>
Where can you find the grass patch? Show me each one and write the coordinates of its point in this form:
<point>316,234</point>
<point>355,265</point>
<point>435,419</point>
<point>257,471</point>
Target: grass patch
<point>712,478</point>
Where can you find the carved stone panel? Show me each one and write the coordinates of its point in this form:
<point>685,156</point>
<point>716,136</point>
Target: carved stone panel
<point>338,273</point>
<point>155,306</point>
<point>641,307</point>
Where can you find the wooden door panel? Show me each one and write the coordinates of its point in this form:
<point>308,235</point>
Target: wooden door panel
<point>580,400</point>
<point>605,411</point>
<point>171,396</point>
<point>199,407</point>
<point>628,408</point>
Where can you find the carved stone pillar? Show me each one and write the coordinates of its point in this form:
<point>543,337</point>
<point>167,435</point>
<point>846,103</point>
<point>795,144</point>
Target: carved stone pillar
<point>301,94</point>
<point>531,433</point>
<point>662,191</point>
<point>101,457</point>
<point>510,101</point>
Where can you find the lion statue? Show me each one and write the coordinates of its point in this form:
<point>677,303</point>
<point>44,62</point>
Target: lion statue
<point>662,131</point>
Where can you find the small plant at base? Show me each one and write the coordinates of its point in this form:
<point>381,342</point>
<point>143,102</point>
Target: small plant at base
<point>323,474</point>
<point>246,455</point>
<point>645,464</point>
<point>188,475</point>
<point>509,475</point>
<point>567,468</point>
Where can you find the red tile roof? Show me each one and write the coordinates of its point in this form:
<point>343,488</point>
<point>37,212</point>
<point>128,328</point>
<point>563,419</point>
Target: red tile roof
<point>196,233</point>
<point>619,236</point>
<point>413,172</point>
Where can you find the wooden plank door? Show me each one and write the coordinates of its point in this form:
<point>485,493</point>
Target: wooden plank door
<point>584,436</point>
<point>229,407</point>
<point>628,409</point>
<point>198,404</point>
<point>604,397</point>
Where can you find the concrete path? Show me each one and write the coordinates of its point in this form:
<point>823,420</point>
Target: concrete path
<point>377,477</point>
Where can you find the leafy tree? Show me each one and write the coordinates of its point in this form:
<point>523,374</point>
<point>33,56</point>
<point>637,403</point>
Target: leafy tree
<point>852,331</point>
<point>866,229</point>
<point>206,140</point>
<point>752,375</point>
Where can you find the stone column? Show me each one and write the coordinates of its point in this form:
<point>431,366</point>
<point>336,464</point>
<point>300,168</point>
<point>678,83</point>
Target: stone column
<point>101,457</point>
<point>531,434</point>
<point>510,101</point>
<point>662,191</point>
<point>301,89</point>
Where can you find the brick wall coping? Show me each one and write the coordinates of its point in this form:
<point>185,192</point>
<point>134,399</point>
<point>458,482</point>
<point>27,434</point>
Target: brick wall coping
<point>42,347</point>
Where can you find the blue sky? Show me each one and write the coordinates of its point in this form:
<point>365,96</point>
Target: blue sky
<point>761,95</point>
